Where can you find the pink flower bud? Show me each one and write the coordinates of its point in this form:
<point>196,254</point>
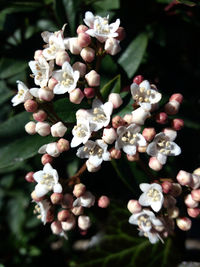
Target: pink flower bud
<point>56,227</point>
<point>196,195</point>
<point>91,167</point>
<point>184,178</point>
<point>72,45</point>
<point>51,83</point>
<point>30,127</point>
<point>89,92</point>
<point>134,206</point>
<point>46,158</point>
<point>77,210</point>
<point>79,190</point>
<point>178,97</point>
<point>172,107</point>
<point>56,198</point>
<point>133,158</point>
<point>170,133</point>
<point>42,128</point>
<point>149,134</point>
<point>45,95</point>
<point>67,201</point>
<point>177,124</point>
<point>140,115</point>
<point>193,212</point>
<point>154,164</point>
<point>84,222</point>
<point>76,96</point>
<point>115,99</point>
<point>87,54</point>
<point>142,149</point>
<point>58,129</point>
<point>37,54</point>
<point>195,181</point>
<point>176,190</point>
<point>166,187</point>
<point>35,198</point>
<point>114,153</point>
<point>112,46</point>
<point>63,215</point>
<point>184,223</point>
<point>121,34</point>
<point>109,135</point>
<point>138,79</point>
<point>81,67</point>
<point>81,28</point>
<point>128,118</point>
<point>93,78</point>
<point>118,121</point>
<point>84,39</point>
<point>40,115</point>
<point>63,145</point>
<point>30,105</point>
<point>190,202</point>
<point>29,177</point>
<point>173,212</point>
<point>161,118</point>
<point>103,202</point>
<point>62,57</point>
<point>69,224</point>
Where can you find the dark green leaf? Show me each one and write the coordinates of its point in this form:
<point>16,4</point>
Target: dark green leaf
<point>113,86</point>
<point>10,67</point>
<point>5,93</point>
<point>126,109</point>
<point>106,4</point>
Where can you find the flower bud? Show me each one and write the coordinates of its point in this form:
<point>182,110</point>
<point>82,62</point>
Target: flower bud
<point>87,199</point>
<point>72,45</point>
<point>103,202</point>
<point>63,145</point>
<point>63,215</point>
<point>62,57</point>
<point>117,121</point>
<point>178,97</point>
<point>35,198</point>
<point>161,118</point>
<point>172,107</point>
<point>115,99</point>
<point>77,210</point>
<point>93,78</point>
<point>52,150</point>
<point>190,202</point>
<point>173,212</point>
<point>45,94</point>
<point>170,133</point>
<point>51,83</point>
<point>37,54</point>
<point>84,39</point>
<point>30,105</point>
<point>114,153</point>
<point>132,158</point>
<point>138,79</point>
<point>42,128</point>
<point>88,54</point>
<point>166,187</point>
<point>56,198</point>
<point>91,167</point>
<point>81,67</point>
<point>29,177</point>
<point>184,178</point>
<point>195,181</point>
<point>154,164</point>
<point>76,96</point>
<point>69,224</point>
<point>184,223</point>
<point>176,190</point>
<point>67,201</point>
<point>56,227</point>
<point>169,202</point>
<point>40,115</point>
<point>149,134</point>
<point>140,115</point>
<point>30,127</point>
<point>196,195</point>
<point>84,222</point>
<point>121,34</point>
<point>109,135</point>
<point>177,124</point>
<point>89,92</point>
<point>197,171</point>
<point>81,28</point>
<point>58,129</point>
<point>112,46</point>
<point>193,212</point>
<point>79,190</point>
<point>46,158</point>
<point>142,149</point>
<point>128,118</point>
<point>134,206</point>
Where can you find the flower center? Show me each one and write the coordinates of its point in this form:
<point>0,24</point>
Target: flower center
<point>164,146</point>
<point>142,95</point>
<point>37,210</point>
<point>99,115</point>
<point>101,25</point>
<point>80,130</point>
<point>143,221</point>
<point>48,180</point>
<point>154,194</point>
<point>96,150</point>
<point>67,79</point>
<point>130,138</point>
<point>20,93</point>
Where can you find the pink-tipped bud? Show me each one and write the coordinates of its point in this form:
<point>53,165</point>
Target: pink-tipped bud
<point>30,105</point>
<point>67,201</point>
<point>195,184</point>
<point>62,57</point>
<point>115,99</point>
<point>63,215</point>
<point>46,158</point>
<point>134,206</point>
<point>196,195</point>
<point>133,158</point>
<point>184,178</point>
<point>40,115</point>
<point>81,67</point>
<point>173,212</point>
<point>35,198</point>
<point>161,118</point>
<point>176,190</point>
<point>177,124</point>
<point>76,96</point>
<point>37,54</point>
<point>77,210</point>
<point>172,107</point>
<point>140,115</point>
<point>45,94</point>
<point>30,127</point>
<point>91,167</point>
<point>72,45</point>
<point>51,83</point>
<point>87,54</point>
<point>170,133</point>
<point>149,134</point>
<point>79,190</point>
<point>112,46</point>
<point>42,128</point>
<point>142,149</point>
<point>56,198</point>
<point>93,78</point>
<point>109,135</point>
<point>103,202</point>
<point>69,224</point>
<point>84,222</point>
<point>114,153</point>
<point>128,118</point>
<point>81,28</point>
<point>84,39</point>
<point>89,92</point>
<point>118,121</point>
<point>121,34</point>
<point>29,177</point>
<point>138,79</point>
<point>166,187</point>
<point>154,164</point>
<point>56,227</point>
<point>58,129</point>
<point>178,97</point>
<point>63,145</point>
<point>193,212</point>
<point>190,202</point>
<point>184,223</point>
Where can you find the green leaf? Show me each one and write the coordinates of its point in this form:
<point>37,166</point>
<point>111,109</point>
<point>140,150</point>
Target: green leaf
<point>106,5</point>
<point>113,86</point>
<point>126,108</point>
<point>10,67</point>
<point>187,2</point>
<point>132,57</point>
<point>5,93</point>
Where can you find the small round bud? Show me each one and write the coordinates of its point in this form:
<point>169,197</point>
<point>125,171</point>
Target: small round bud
<point>172,107</point>
<point>128,118</point>
<point>161,118</point>
<point>190,202</point>
<point>84,39</point>
<point>173,212</point>
<point>56,198</point>
<point>87,54</point>
<point>142,149</point>
<point>77,210</point>
<point>149,134</point>
<point>195,184</point>
<point>51,149</point>
<point>140,115</point>
<point>196,195</point>
<point>103,202</point>
<point>30,127</point>
<point>193,212</point>
<point>69,224</point>
<point>58,129</point>
<point>176,190</point>
<point>114,153</point>
<point>46,158</point>
<point>177,124</point>
<point>84,222</point>
<point>184,223</point>
<point>76,96</point>
<point>109,135</point>
<point>56,227</point>
<point>89,92</point>
<point>134,206</point>
<point>81,28</point>
<point>87,199</point>
<point>63,215</point>
<point>37,54</point>
<point>29,177</point>
<point>67,201</point>
<point>63,145</point>
<point>79,190</point>
<point>45,94</point>
<point>30,105</point>
<point>166,187</point>
<point>35,198</point>
<point>170,133</point>
<point>138,79</point>
<point>121,34</point>
<point>51,83</point>
<point>40,115</point>
<point>132,158</point>
<point>115,99</point>
<point>93,78</point>
<point>117,121</point>
<point>42,128</point>
<point>112,46</point>
<point>72,45</point>
<point>154,164</point>
<point>81,67</point>
<point>62,57</point>
<point>91,167</point>
<point>178,97</point>
<point>184,178</point>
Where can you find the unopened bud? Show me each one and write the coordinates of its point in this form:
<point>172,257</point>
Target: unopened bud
<point>81,28</point>
<point>40,115</point>
<point>154,164</point>
<point>169,202</point>
<point>118,121</point>
<point>58,129</point>
<point>63,145</point>
<point>87,54</point>
<point>35,198</point>
<point>42,128</point>
<point>37,54</point>
<point>177,124</point>
<point>173,212</point>
<point>81,67</point>
<point>193,212</point>
<point>128,118</point>
<point>72,45</point>
<point>103,202</point>
<point>93,78</point>
<point>63,215</point>
<point>67,201</point>
<point>84,222</point>
<point>89,92</point>
<point>166,187</point>
<point>138,79</point>
<point>109,135</point>
<point>46,158</point>
<point>190,202</point>
<point>172,107</point>
<point>56,198</point>
<point>184,223</point>
<point>62,57</point>
<point>178,97</point>
<point>134,206</point>
<point>115,99</point>
<point>84,39</point>
<point>76,96</point>
<point>170,133</point>
<point>91,167</point>
<point>142,149</point>
<point>196,194</point>
<point>51,83</point>
<point>79,190</point>
<point>133,158</point>
<point>115,153</point>
<point>176,190</point>
<point>149,134</point>
<point>45,94</point>
<point>161,118</point>
<point>30,127</point>
<point>29,177</point>
<point>56,227</point>
<point>87,200</point>
<point>184,178</point>
<point>69,224</point>
<point>121,34</point>
<point>77,210</point>
<point>112,46</point>
<point>30,105</point>
<point>140,115</point>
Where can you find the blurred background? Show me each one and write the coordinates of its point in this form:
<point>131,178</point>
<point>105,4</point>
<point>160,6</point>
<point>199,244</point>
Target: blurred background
<point>162,43</point>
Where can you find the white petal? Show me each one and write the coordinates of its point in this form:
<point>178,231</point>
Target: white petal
<point>108,108</point>
<point>134,89</point>
<point>155,97</point>
<point>161,158</point>
<point>145,106</point>
<point>156,205</point>
<point>41,190</point>
<point>81,153</point>
<point>66,67</point>
<point>57,188</point>
<point>89,19</point>
<point>58,75</point>
<point>60,89</point>
<point>157,186</point>
<point>145,84</point>
<point>143,200</point>
<point>133,219</point>
<point>175,149</point>
<point>38,176</point>
<point>134,128</point>
<point>42,149</point>
<point>97,104</point>
<point>121,130</point>
<point>145,187</point>
<point>141,141</point>
<point>76,141</point>
<point>91,32</point>
<point>114,26</point>
<point>34,91</point>
<point>48,168</point>
<point>129,149</point>
<point>152,149</point>
<point>95,160</point>
<point>106,156</point>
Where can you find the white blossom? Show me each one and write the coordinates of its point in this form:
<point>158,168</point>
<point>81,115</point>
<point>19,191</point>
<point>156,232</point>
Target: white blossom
<point>153,236</point>
<point>81,133</point>
<point>41,209</point>
<point>51,149</point>
<point>22,95</point>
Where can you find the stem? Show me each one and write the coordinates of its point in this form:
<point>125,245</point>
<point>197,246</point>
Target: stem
<point>75,178</point>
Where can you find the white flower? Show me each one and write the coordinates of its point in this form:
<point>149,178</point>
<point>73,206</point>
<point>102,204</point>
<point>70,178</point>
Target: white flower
<point>22,95</point>
<point>42,70</point>
<point>42,208</point>
<point>99,27</point>
<point>152,196</point>
<point>100,114</point>
<point>81,133</point>
<point>163,146</point>
<point>47,180</point>
<point>153,236</point>
<point>144,95</point>
<point>129,138</point>
<point>51,149</point>
<point>96,152</point>
<point>87,200</point>
<point>67,79</point>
